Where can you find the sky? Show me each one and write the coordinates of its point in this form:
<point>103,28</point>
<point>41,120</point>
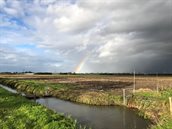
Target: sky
<point>86,36</point>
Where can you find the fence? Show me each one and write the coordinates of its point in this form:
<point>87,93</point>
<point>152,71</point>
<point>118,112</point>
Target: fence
<point>128,92</point>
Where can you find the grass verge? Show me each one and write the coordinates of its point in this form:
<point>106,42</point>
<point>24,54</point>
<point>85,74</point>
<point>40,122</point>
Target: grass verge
<point>16,112</point>
<point>154,106</point>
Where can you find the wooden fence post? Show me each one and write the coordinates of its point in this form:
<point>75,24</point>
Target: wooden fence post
<point>170,105</point>
<point>157,85</point>
<point>124,99</point>
<point>134,81</point>
<point>157,88</point>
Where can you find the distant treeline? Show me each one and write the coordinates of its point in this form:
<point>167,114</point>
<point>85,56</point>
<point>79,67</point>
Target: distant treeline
<point>37,73</point>
<point>139,74</point>
<point>73,73</point>
<point>43,73</point>
<point>122,74</point>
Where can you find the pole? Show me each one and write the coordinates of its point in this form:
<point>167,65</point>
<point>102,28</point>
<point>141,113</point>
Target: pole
<point>161,84</point>
<point>134,82</point>
<point>124,101</point>
<point>157,85</point>
<point>170,105</point>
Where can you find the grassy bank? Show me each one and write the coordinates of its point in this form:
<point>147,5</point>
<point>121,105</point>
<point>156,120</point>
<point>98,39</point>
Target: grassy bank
<point>151,105</point>
<point>71,92</point>
<point>16,112</point>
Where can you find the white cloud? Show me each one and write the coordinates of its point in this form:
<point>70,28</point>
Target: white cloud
<point>10,11</point>
<point>2,3</point>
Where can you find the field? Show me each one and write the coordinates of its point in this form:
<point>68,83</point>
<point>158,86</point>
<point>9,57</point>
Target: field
<point>150,98</point>
<point>99,82</point>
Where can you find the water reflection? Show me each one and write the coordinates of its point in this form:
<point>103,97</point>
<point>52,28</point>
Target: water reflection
<point>97,117</point>
<point>123,115</point>
<point>8,89</point>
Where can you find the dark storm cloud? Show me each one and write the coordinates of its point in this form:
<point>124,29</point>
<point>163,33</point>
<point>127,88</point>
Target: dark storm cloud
<point>150,27</point>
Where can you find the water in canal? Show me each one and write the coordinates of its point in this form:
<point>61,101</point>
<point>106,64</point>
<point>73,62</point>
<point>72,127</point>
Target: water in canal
<point>97,117</point>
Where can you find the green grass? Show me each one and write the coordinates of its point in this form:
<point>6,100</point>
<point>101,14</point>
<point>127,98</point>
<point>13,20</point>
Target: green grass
<point>154,106</point>
<point>39,88</point>
<point>151,105</point>
<point>16,112</point>
<point>64,91</point>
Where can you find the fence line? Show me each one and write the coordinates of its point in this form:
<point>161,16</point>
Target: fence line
<point>124,97</point>
<point>134,82</point>
<point>170,101</point>
<point>157,83</point>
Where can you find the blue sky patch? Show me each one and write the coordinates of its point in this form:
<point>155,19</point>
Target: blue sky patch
<point>31,47</point>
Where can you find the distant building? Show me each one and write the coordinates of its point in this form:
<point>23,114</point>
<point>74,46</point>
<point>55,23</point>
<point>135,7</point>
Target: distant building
<point>29,73</point>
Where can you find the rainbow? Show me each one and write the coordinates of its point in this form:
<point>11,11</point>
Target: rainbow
<point>81,64</point>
